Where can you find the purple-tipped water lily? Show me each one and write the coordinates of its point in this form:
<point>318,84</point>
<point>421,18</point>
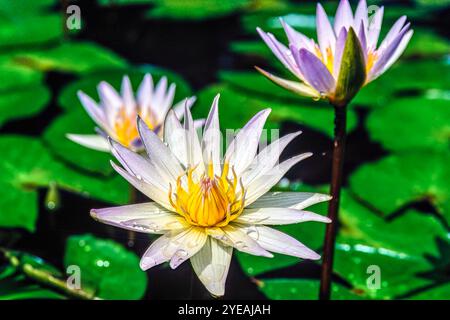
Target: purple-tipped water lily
<point>116,113</point>
<point>205,205</point>
<point>345,57</point>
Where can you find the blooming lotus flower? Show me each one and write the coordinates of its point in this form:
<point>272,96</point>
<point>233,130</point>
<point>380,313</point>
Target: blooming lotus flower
<point>205,207</point>
<point>346,56</point>
<point>116,114</point>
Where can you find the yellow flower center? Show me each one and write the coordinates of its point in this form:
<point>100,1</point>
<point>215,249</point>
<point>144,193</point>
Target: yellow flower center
<point>125,127</point>
<point>372,57</point>
<point>210,200</point>
<point>328,60</point>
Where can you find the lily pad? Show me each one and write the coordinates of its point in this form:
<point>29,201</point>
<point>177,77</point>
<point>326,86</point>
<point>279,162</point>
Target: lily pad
<point>16,76</point>
<point>361,226</point>
<point>398,274</point>
<point>28,30</point>
<point>426,43</point>
<point>428,124</point>
<point>106,267</point>
<point>368,243</point>
<point>401,179</point>
<point>436,292</point>
<point>22,102</point>
<point>302,289</point>
<point>238,107</point>
<point>77,57</point>
<point>195,9</point>
<point>27,165</point>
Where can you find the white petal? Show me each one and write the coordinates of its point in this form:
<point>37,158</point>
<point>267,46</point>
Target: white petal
<point>374,28</point>
<point>264,183</point>
<point>95,112</point>
<point>278,216</point>
<point>398,52</point>
<point>294,200</point>
<point>296,38</point>
<point>179,107</point>
<point>212,138</point>
<point>145,217</point>
<point>279,242</point>
<point>361,15</point>
<point>109,96</point>
<point>325,33</point>
<point>175,137</point>
<point>294,86</point>
<point>166,103</point>
<point>194,150</point>
<point>243,148</point>
<point>267,158</point>
<point>188,246</point>
<point>174,246</point>
<point>91,141</point>
<point>343,17</point>
<point>128,95</point>
<point>144,94</point>
<point>232,235</point>
<point>279,50</point>
<point>159,154</point>
<point>140,167</point>
<point>211,265</point>
<point>144,187</point>
<point>393,33</point>
<point>159,94</point>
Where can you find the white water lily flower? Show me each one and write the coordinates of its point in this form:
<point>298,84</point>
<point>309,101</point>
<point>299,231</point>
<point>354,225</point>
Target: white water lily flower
<point>204,206</point>
<point>116,113</point>
<point>346,53</point>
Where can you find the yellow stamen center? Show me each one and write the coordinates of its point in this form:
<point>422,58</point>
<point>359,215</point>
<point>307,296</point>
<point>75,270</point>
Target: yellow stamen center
<point>125,126</point>
<point>372,57</point>
<point>210,200</point>
<point>328,60</point>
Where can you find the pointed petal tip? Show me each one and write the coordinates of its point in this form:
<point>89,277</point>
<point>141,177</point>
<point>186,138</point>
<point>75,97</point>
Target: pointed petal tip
<point>94,214</point>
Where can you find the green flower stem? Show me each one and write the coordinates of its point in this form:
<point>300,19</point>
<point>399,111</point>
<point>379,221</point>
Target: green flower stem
<point>45,278</point>
<point>333,208</point>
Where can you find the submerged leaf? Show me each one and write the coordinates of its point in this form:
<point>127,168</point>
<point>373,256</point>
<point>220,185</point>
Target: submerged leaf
<point>106,267</point>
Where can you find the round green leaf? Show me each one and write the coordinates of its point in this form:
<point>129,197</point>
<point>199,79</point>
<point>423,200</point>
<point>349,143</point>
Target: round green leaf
<point>362,226</point>
<point>398,274</point>
<point>30,29</point>
<point>437,292</point>
<point>427,43</point>
<point>22,102</point>
<point>27,165</point>
<point>428,124</point>
<point>77,57</point>
<point>302,289</point>
<point>195,9</point>
<point>16,76</point>
<point>106,267</point>
<point>400,179</point>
